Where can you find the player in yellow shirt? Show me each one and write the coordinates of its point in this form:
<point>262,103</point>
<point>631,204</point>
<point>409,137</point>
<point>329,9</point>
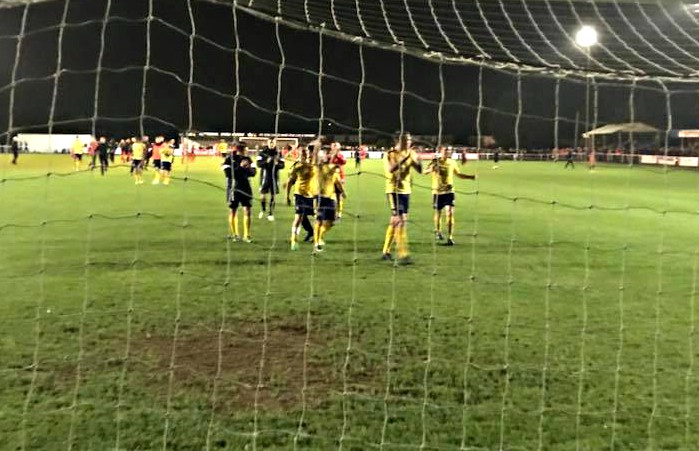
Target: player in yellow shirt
<point>222,148</point>
<point>443,170</point>
<point>329,185</point>
<point>398,163</point>
<point>167,156</point>
<point>290,154</point>
<point>138,153</point>
<point>301,179</point>
<point>77,151</point>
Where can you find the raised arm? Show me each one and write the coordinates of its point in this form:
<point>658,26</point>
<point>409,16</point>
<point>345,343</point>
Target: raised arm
<point>458,174</point>
<point>415,161</point>
<point>395,166</point>
<point>289,186</point>
<point>432,167</point>
<point>247,166</point>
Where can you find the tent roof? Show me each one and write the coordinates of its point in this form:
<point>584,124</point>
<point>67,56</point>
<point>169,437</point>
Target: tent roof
<point>628,127</point>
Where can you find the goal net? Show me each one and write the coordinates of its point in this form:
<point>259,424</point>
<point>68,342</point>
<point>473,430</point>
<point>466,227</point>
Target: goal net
<point>562,317</point>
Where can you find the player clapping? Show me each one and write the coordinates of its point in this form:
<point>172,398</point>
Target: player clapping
<point>398,164</point>
<point>138,153</point>
<point>239,169</point>
<point>329,185</point>
<point>167,157</point>
<point>269,162</point>
<point>443,170</point>
<point>301,178</point>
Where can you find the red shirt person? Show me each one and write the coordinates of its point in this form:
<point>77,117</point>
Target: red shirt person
<point>339,160</point>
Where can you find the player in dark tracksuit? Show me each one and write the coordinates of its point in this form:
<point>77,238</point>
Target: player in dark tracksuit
<point>569,160</point>
<point>112,149</point>
<point>269,162</point>
<point>15,150</point>
<point>239,170</point>
<point>103,152</point>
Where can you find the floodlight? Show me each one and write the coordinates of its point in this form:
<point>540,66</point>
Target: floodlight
<point>586,37</point>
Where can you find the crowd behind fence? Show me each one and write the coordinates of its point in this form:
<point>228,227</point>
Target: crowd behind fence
<point>610,155</point>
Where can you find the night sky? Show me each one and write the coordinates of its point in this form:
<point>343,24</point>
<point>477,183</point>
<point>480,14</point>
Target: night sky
<point>166,96</point>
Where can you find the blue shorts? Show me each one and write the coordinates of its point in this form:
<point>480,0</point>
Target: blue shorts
<point>439,201</point>
<point>326,209</point>
<point>240,200</point>
<point>398,203</point>
<point>303,205</point>
<point>166,166</point>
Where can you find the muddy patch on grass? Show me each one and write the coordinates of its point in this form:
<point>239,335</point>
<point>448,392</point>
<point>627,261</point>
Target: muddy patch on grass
<point>248,365</point>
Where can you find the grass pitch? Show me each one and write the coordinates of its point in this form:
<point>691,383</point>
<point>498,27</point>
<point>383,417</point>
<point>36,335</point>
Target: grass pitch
<point>564,316</point>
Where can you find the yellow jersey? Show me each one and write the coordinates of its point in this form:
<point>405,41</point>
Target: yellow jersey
<point>326,176</point>
<point>305,174</point>
<point>78,147</point>
<point>222,148</point>
<point>138,150</point>
<point>443,171</point>
<point>399,181</point>
<point>167,154</point>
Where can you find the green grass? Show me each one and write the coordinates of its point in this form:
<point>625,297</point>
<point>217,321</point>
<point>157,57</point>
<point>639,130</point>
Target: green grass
<point>510,338</point>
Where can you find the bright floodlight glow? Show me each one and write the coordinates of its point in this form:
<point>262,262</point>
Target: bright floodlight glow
<point>586,36</point>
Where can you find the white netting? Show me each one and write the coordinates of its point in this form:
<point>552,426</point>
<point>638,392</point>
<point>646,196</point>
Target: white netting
<point>518,340</point>
<point>509,31</point>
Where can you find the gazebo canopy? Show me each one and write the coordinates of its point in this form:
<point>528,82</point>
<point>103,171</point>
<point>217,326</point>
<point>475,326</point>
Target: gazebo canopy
<point>628,127</point>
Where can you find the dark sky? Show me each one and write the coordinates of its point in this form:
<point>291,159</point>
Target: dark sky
<point>166,99</point>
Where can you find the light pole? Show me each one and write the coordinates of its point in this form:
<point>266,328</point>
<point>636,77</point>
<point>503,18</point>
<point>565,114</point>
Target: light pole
<point>586,37</point>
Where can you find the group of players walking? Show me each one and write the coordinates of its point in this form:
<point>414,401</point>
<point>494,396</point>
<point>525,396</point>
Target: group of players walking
<point>316,180</point>
<point>139,151</point>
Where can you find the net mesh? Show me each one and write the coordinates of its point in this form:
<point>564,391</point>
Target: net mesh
<point>145,330</point>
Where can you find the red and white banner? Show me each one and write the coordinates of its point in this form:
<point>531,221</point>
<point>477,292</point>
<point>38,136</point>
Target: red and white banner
<point>689,162</point>
<point>203,152</point>
<point>688,133</point>
<point>668,161</point>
